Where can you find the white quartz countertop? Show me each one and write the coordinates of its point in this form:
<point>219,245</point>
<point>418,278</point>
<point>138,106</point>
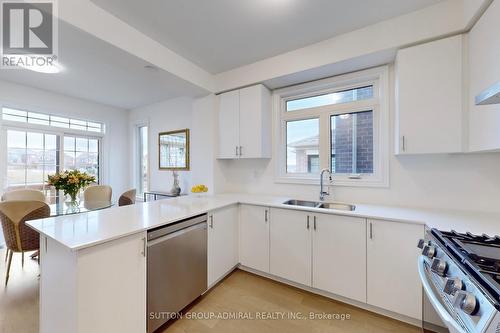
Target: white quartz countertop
<point>87,229</point>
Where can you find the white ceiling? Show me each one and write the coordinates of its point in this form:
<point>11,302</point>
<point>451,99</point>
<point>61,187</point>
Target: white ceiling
<point>219,35</point>
<point>100,72</point>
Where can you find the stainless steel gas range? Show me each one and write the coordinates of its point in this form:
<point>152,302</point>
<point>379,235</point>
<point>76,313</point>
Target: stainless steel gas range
<point>460,274</point>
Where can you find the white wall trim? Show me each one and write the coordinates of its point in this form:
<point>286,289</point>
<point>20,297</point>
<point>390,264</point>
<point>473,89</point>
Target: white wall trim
<point>134,127</point>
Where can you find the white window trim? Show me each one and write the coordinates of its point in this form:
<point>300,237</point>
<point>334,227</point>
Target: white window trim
<point>135,125</point>
<point>379,78</point>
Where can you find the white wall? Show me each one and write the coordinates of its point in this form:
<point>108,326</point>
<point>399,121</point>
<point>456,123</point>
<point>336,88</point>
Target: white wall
<point>204,142</point>
<point>115,161</point>
<point>436,181</point>
<point>165,116</point>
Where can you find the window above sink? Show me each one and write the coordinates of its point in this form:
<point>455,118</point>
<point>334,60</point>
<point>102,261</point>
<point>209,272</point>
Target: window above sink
<point>340,124</point>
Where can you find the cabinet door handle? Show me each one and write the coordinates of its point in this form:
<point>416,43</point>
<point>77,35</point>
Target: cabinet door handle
<point>314,221</point>
<point>308,222</point>
<point>236,150</point>
<point>144,246</point>
<point>241,151</point>
<point>371,230</point>
<point>404,143</point>
<point>265,217</point>
<point>211,221</point>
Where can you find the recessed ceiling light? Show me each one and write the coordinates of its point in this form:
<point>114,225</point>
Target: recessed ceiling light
<point>151,68</point>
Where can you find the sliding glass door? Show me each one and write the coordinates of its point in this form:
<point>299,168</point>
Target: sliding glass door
<point>33,155</point>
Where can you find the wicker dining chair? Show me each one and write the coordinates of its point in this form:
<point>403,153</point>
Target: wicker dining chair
<point>18,236</point>
<point>26,195</point>
<point>127,198</point>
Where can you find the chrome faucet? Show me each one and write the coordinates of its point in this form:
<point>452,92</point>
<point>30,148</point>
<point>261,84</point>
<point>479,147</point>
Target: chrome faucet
<point>323,193</point>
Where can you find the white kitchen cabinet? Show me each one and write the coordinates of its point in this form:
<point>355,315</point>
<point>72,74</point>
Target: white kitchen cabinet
<point>290,245</point>
<point>245,123</point>
<point>222,242</point>
<point>339,255</point>
<point>484,71</point>
<point>430,115</point>
<point>254,237</point>
<point>392,277</point>
<point>79,289</point>
<point>229,119</point>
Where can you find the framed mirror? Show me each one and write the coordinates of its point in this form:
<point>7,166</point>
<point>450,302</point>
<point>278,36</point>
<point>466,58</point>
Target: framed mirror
<point>173,152</point>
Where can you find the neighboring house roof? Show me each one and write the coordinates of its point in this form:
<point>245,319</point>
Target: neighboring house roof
<point>309,142</point>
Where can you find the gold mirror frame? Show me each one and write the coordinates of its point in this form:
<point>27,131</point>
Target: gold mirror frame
<point>186,133</point>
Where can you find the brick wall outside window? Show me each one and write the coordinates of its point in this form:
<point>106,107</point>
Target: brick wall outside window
<point>342,145</point>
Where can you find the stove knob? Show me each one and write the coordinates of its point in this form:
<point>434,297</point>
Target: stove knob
<point>466,301</point>
<point>429,251</point>
<point>422,243</point>
<point>439,266</point>
<point>453,285</point>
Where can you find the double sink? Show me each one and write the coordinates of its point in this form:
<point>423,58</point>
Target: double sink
<point>323,205</point>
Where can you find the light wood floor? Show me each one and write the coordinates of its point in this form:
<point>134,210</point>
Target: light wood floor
<point>19,300</point>
<point>240,292</point>
<point>249,293</point>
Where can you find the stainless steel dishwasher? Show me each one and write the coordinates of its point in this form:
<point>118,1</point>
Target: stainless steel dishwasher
<point>177,268</point>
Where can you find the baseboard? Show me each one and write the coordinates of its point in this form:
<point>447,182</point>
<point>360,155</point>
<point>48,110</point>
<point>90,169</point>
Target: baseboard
<point>371,308</point>
<point>222,278</point>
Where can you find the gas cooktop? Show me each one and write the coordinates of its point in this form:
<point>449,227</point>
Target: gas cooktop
<point>479,255</point>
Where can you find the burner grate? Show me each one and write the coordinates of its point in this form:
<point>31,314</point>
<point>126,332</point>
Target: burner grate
<point>480,256</point>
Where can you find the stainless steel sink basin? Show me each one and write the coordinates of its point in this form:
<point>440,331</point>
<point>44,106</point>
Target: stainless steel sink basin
<point>302,203</point>
<point>337,206</point>
<point>322,205</point>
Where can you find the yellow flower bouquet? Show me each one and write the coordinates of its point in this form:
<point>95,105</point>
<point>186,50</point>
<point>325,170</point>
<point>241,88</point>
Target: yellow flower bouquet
<point>71,182</point>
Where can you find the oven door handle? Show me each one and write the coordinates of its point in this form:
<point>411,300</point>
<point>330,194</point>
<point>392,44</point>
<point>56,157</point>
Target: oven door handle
<point>442,312</point>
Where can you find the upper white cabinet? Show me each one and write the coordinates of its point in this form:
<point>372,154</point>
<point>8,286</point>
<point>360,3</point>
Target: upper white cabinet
<point>229,124</point>
<point>222,242</point>
<point>245,123</point>
<point>484,71</point>
<point>430,113</point>
<point>392,246</point>
<point>339,255</point>
<point>254,237</point>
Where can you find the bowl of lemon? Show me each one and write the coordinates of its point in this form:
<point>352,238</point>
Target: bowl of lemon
<point>199,190</point>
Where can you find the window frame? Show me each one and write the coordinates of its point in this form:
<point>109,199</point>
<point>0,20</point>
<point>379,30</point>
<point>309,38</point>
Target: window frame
<point>139,183</point>
<point>135,125</point>
<point>49,119</point>
<point>6,125</point>
<point>377,77</point>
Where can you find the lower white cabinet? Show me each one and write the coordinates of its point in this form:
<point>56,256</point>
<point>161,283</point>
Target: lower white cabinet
<point>254,237</point>
<point>290,250</point>
<point>222,242</point>
<point>339,255</point>
<point>393,281</point>
<point>79,289</point>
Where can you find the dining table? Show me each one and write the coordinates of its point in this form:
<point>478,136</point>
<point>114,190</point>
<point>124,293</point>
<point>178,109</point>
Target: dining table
<point>68,208</point>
